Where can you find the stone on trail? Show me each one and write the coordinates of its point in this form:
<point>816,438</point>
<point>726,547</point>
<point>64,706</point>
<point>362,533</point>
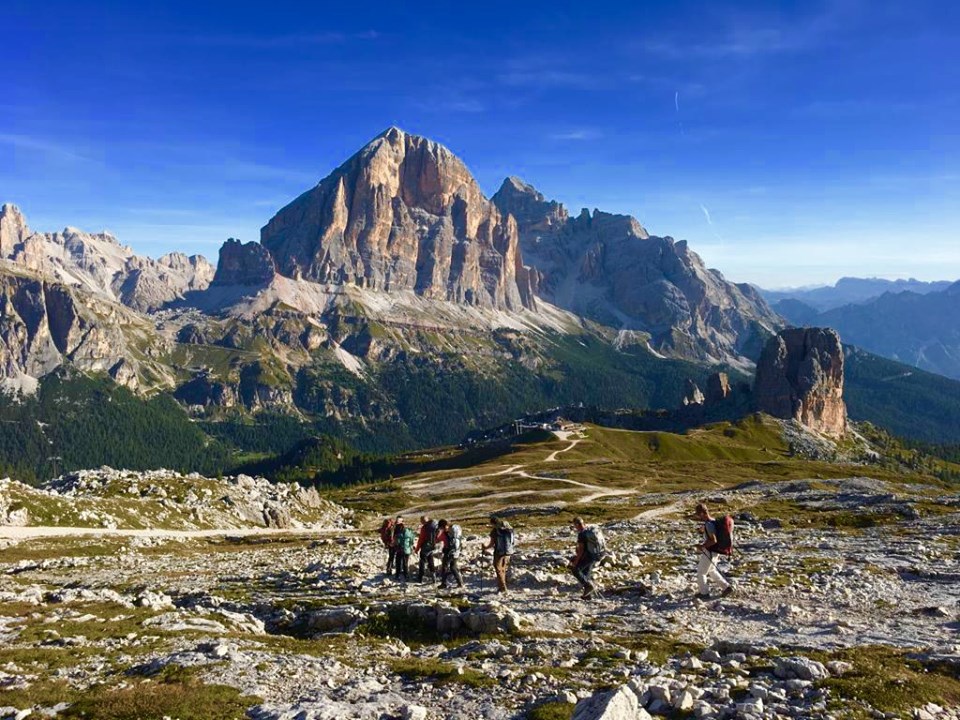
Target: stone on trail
<point>619,704</point>
<point>800,668</point>
<point>337,619</point>
<point>414,712</point>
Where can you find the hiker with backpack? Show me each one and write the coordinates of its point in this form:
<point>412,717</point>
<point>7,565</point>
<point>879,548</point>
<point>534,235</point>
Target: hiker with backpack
<point>451,536</point>
<point>717,541</point>
<point>591,549</point>
<point>386,537</point>
<point>403,540</point>
<point>502,542</point>
<point>426,542</point>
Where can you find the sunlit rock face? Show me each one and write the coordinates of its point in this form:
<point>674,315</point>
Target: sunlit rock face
<point>800,377</point>
<point>404,213</point>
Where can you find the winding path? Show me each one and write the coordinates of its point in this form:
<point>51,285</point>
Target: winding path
<point>468,482</point>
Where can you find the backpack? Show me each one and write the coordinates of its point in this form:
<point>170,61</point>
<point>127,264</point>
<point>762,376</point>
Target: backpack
<point>454,541</point>
<point>594,541</point>
<point>724,544</point>
<point>406,541</point>
<point>432,531</point>
<point>506,541</point>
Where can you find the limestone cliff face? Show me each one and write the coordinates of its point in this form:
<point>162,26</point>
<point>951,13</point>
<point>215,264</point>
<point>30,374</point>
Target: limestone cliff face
<point>404,213</point>
<point>44,325</point>
<point>99,264</point>
<point>610,269</point>
<point>800,377</point>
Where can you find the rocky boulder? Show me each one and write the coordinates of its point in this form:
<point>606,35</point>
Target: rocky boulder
<point>800,377</point>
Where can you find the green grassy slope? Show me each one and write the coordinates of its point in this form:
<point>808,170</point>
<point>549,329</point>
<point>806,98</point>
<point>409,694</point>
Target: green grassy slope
<point>908,402</point>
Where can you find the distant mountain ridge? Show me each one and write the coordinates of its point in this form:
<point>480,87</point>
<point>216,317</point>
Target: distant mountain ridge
<point>851,290</point>
<point>99,264</point>
<point>922,330</point>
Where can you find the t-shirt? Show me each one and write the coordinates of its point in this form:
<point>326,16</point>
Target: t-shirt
<point>709,528</point>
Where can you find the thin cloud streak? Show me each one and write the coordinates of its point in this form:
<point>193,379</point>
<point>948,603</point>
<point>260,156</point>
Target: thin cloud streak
<point>294,40</point>
<point>28,142</point>
<point>579,134</point>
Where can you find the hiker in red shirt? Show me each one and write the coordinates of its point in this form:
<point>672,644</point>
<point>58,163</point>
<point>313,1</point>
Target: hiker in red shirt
<point>426,542</point>
<point>710,549</point>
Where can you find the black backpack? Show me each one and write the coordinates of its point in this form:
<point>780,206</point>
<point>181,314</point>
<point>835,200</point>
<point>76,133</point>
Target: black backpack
<point>432,531</point>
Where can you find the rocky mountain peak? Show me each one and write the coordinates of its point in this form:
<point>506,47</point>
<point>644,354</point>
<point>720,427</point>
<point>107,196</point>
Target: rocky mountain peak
<point>532,211</point>
<point>13,229</point>
<point>404,213</point>
<point>244,264</point>
<point>800,377</point>
<point>607,267</point>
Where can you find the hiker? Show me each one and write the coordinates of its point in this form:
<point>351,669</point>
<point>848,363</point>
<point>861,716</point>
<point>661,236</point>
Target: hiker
<point>386,537</point>
<point>502,541</point>
<point>403,540</point>
<point>426,541</point>
<point>717,540</point>
<point>452,538</point>
<point>591,549</point>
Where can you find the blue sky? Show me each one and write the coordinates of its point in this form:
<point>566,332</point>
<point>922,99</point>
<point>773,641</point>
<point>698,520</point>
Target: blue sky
<point>790,143</point>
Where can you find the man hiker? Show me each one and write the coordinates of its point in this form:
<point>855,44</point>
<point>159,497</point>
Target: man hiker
<point>452,537</point>
<point>502,540</point>
<point>386,537</point>
<point>426,541</point>
<point>591,549</point>
<point>711,548</point>
<point>403,539</point>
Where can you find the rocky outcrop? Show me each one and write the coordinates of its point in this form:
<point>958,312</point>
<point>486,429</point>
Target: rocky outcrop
<point>610,269</point>
<point>43,326</point>
<point>13,229</point>
<point>99,264</point>
<point>800,377</point>
<point>244,264</point>
<point>150,284</point>
<point>404,213</point>
<point>692,395</point>
<point>718,388</point>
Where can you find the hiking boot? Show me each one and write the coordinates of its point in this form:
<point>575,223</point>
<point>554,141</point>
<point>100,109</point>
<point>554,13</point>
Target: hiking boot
<point>727,591</point>
<point>702,596</point>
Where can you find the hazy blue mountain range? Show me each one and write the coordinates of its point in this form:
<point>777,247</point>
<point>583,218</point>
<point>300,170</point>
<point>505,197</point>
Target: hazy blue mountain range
<point>918,329</point>
<point>849,290</point>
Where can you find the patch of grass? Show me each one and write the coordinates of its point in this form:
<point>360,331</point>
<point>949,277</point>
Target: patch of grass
<point>551,711</point>
<point>182,698</point>
<point>889,680</point>
<point>441,673</point>
<point>660,646</point>
<point>794,515</point>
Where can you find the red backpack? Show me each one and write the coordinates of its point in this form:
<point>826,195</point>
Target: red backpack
<point>724,544</point>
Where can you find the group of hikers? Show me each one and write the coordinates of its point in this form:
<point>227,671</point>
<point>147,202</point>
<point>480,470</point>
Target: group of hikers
<point>442,540</point>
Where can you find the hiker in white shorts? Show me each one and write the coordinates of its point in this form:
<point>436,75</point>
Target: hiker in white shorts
<point>709,552</point>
